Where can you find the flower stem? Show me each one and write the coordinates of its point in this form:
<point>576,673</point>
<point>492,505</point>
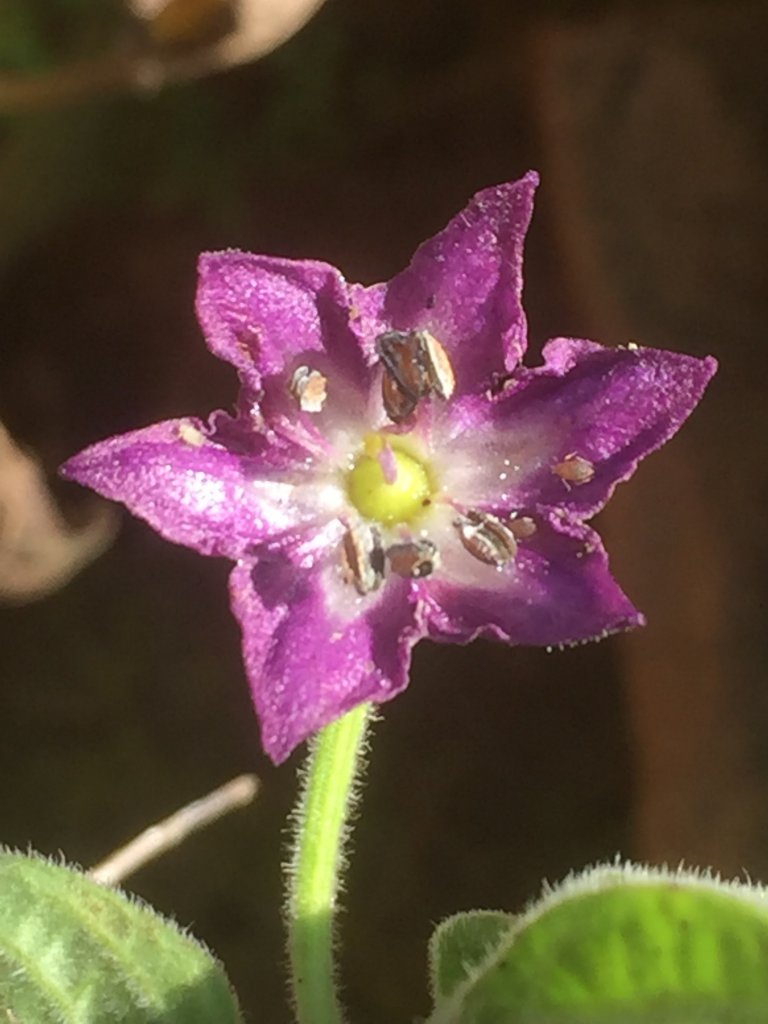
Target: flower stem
<point>328,793</point>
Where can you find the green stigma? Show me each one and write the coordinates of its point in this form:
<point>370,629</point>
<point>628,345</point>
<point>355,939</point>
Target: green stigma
<point>388,482</point>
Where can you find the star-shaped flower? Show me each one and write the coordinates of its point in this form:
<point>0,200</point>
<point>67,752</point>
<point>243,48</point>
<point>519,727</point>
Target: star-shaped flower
<point>391,470</point>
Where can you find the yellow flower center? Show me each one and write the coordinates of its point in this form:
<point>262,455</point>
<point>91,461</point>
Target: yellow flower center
<point>389,482</point>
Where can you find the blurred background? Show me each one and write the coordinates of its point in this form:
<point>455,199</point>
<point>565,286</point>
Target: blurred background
<point>135,134</point>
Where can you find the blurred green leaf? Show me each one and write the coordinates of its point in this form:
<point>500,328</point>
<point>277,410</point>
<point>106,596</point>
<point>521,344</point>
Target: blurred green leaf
<point>614,946</point>
<point>73,952</point>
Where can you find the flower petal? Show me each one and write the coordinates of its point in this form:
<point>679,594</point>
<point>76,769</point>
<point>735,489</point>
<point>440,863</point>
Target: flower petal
<point>311,657</point>
<point>263,314</point>
<point>557,590</point>
<point>465,285</point>
<point>197,492</point>
<point>610,406</point>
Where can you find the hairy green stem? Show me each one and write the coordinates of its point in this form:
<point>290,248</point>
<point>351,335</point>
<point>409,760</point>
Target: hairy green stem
<point>327,796</point>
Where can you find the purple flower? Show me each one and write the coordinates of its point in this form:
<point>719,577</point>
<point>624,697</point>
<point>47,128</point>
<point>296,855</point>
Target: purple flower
<point>391,470</point>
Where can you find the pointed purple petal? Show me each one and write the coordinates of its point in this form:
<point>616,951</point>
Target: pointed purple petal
<point>557,590</point>
<point>313,652</point>
<point>465,285</point>
<point>194,491</point>
<point>609,406</point>
<point>265,315</point>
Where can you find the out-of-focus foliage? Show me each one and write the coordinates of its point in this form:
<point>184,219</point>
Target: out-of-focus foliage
<point>37,33</point>
<point>74,952</point>
<point>618,944</point>
<point>60,55</point>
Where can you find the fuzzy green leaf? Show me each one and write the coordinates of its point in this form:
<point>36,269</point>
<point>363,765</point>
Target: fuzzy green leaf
<point>74,952</point>
<point>622,946</point>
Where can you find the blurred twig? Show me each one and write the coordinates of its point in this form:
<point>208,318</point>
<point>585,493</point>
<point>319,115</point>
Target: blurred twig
<point>172,831</point>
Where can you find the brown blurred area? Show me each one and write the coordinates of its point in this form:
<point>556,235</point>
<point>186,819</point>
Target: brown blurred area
<point>123,695</point>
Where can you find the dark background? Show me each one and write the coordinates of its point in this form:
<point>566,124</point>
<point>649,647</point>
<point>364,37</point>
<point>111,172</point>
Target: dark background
<point>123,696</point>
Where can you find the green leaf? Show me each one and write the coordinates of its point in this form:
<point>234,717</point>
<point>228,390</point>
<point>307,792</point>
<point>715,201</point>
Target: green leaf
<point>460,944</point>
<point>73,952</point>
<point>620,946</point>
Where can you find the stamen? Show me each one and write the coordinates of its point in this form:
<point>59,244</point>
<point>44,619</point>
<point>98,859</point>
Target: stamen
<point>486,537</point>
<point>362,558</point>
<point>415,365</point>
<point>399,351</point>
<point>414,559</point>
<point>398,404</point>
<point>574,469</point>
<point>309,388</point>
<point>437,365</point>
<point>522,527</point>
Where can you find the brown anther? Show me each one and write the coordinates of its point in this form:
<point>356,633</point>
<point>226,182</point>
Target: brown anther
<point>399,351</point>
<point>362,558</point>
<point>398,404</point>
<point>486,537</point>
<point>309,388</point>
<point>437,365</point>
<point>415,365</point>
<point>522,527</point>
<point>574,469</point>
<point>413,559</point>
